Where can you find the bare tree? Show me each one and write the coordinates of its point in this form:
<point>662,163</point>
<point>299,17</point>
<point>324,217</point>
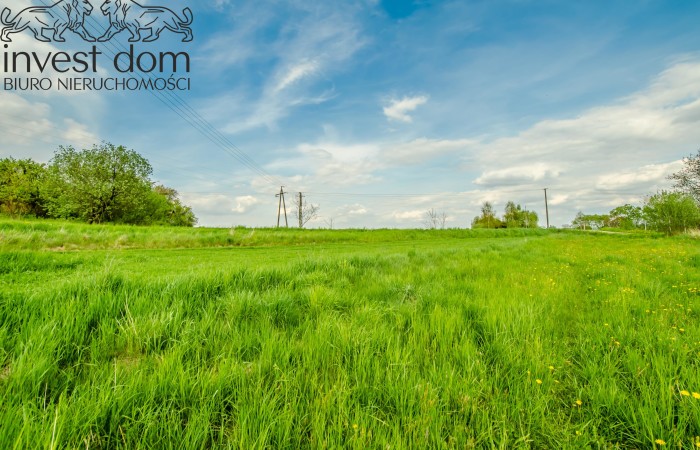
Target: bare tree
<point>434,219</point>
<point>688,178</point>
<point>305,211</point>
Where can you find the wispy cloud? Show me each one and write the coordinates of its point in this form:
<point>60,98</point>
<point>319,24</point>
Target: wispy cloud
<point>652,126</point>
<point>511,176</point>
<point>314,42</point>
<point>295,73</point>
<point>398,109</point>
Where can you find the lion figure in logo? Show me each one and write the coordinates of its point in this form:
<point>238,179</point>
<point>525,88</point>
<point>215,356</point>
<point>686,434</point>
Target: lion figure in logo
<point>59,17</point>
<point>129,15</point>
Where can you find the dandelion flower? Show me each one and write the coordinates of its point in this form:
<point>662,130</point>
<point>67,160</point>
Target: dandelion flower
<point>660,442</point>
<point>551,367</point>
<point>696,395</point>
<point>579,402</point>
<point>685,393</point>
<point>538,381</point>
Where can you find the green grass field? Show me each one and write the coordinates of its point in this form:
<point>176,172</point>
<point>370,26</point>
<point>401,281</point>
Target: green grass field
<point>122,337</point>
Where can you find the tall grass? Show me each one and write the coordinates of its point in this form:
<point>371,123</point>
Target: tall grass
<point>61,235</point>
<point>534,341</point>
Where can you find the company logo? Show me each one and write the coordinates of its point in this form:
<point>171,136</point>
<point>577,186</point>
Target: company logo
<point>129,15</point>
<point>63,15</point>
<point>145,70</point>
<point>70,15</point>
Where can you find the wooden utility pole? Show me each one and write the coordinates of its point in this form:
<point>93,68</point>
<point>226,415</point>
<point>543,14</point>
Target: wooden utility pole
<point>546,207</point>
<point>281,205</point>
<point>301,209</point>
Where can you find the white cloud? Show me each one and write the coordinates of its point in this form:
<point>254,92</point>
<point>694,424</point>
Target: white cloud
<point>295,73</point>
<point>33,129</point>
<point>559,199</point>
<point>78,133</point>
<point>357,210</point>
<point>244,203</point>
<point>331,163</point>
<point>413,215</point>
<point>398,109</point>
<point>212,204</point>
<point>641,176</point>
<point>518,175</point>
<point>642,127</point>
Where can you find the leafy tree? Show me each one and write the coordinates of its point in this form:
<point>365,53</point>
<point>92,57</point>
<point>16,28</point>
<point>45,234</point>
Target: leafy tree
<point>672,212</point>
<point>20,182</point>
<point>170,211</point>
<point>687,180</point>
<point>626,217</point>
<point>102,184</point>
<point>517,217</point>
<point>591,221</point>
<point>488,218</point>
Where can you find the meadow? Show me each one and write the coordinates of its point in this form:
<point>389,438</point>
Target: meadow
<point>132,337</point>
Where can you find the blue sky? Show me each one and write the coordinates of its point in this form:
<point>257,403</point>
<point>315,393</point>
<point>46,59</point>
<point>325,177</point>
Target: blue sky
<point>381,110</point>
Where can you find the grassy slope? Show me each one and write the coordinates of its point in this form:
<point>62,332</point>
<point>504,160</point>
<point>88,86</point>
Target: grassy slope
<point>347,338</point>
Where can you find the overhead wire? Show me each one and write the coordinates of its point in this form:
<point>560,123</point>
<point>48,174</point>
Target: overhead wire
<point>182,109</point>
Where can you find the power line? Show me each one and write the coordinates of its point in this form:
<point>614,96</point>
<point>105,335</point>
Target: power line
<point>181,108</point>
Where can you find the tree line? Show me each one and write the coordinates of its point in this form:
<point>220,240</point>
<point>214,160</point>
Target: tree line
<point>514,216</point>
<point>668,211</point>
<point>106,183</point>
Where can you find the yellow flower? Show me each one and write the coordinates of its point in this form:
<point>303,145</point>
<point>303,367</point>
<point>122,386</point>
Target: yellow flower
<point>551,367</point>
<point>660,442</point>
<point>685,393</point>
<point>579,402</point>
<point>354,426</point>
<point>696,395</point>
<point>538,381</point>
